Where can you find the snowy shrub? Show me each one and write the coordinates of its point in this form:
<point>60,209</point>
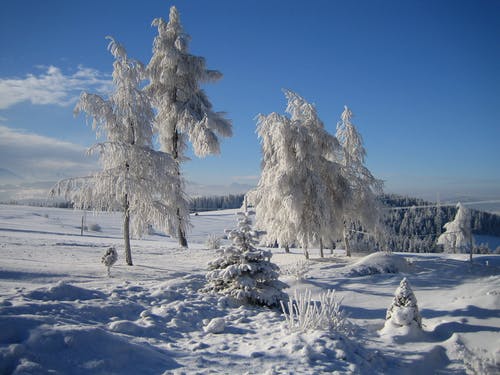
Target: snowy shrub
<point>95,227</point>
<point>303,314</point>
<point>298,270</point>
<point>244,272</point>
<point>109,258</point>
<point>213,242</point>
<point>404,310</point>
<point>457,237</point>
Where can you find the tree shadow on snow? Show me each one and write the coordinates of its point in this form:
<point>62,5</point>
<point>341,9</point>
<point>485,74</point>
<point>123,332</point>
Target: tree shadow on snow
<point>444,331</point>
<point>469,311</point>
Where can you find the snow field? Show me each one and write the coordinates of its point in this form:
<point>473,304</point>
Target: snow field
<point>60,312</point>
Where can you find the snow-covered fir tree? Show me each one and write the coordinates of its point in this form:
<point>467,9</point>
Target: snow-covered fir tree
<point>109,259</point>
<point>302,193</point>
<point>183,110</point>
<point>134,177</point>
<point>457,237</point>
<point>243,271</point>
<point>364,187</point>
<point>404,309</point>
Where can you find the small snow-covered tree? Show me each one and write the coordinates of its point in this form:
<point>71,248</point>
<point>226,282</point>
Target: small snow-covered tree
<point>404,309</point>
<point>363,207</point>
<point>134,177</point>
<point>244,272</point>
<point>183,109</point>
<point>457,237</point>
<point>301,194</point>
<point>109,259</point>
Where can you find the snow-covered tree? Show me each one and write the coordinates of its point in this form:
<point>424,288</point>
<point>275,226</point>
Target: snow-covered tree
<point>134,176</point>
<point>364,187</point>
<point>244,272</point>
<point>404,309</point>
<point>109,259</point>
<point>457,237</point>
<point>301,194</point>
<point>183,109</point>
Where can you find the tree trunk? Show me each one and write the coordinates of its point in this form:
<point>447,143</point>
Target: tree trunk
<point>346,243</point>
<point>332,248</point>
<point>321,253</point>
<point>175,144</point>
<point>471,246</point>
<point>126,231</point>
<point>306,253</point>
<point>287,249</point>
<point>180,232</point>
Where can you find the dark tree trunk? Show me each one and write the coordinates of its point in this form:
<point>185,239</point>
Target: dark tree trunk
<point>180,233</point>
<point>287,248</point>
<point>346,243</point>
<point>126,231</point>
<point>306,253</point>
<point>321,253</point>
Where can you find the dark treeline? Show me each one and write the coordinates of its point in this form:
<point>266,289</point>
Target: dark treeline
<point>213,203</point>
<point>417,229</point>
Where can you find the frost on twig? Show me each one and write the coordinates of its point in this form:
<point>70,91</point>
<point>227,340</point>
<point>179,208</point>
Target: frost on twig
<point>298,270</point>
<point>213,242</point>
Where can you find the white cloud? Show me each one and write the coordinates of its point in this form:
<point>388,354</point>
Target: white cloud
<point>52,86</point>
<point>33,157</point>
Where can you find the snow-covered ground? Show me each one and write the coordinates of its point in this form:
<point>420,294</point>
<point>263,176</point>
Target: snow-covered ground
<point>60,313</point>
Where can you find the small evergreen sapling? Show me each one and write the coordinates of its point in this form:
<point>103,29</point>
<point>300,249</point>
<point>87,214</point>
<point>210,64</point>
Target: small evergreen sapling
<point>109,259</point>
<point>244,272</point>
<point>404,310</point>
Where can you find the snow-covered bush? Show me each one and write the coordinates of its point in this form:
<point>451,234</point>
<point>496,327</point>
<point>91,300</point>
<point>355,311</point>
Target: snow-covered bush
<point>458,235</point>
<point>244,272</point>
<point>95,227</point>
<point>298,270</point>
<point>213,242</point>
<point>109,258</point>
<point>404,310</point>
<point>303,314</point>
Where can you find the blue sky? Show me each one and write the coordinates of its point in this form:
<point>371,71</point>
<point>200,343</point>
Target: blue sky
<point>422,78</point>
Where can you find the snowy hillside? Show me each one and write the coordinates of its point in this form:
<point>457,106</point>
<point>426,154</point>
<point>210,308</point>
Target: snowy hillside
<point>60,313</point>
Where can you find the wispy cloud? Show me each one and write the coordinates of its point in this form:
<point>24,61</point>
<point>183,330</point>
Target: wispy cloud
<point>52,86</point>
<point>34,157</point>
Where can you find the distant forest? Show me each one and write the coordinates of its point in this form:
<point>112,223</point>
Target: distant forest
<point>416,229</point>
<point>214,203</point>
<point>406,229</point>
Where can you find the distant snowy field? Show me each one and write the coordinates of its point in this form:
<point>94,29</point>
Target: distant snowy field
<point>60,313</point>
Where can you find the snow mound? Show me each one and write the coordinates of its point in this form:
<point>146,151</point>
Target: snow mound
<point>378,263</point>
<point>64,292</point>
<point>216,325</point>
<point>75,350</point>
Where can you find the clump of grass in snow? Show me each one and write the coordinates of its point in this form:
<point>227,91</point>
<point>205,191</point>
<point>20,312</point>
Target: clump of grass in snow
<point>303,314</point>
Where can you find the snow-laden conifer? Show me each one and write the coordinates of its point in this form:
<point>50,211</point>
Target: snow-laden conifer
<point>363,207</point>
<point>109,259</point>
<point>183,110</point>
<point>302,193</point>
<point>404,309</point>
<point>457,237</point>
<point>244,272</point>
<point>134,177</point>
